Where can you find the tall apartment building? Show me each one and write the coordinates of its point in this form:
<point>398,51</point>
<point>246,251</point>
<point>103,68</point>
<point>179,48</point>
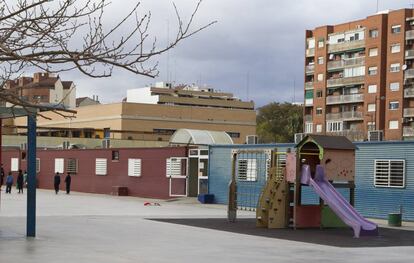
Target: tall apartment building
<point>359,77</point>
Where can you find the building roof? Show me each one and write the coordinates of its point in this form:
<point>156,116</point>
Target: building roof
<point>67,84</point>
<point>200,137</point>
<point>329,142</point>
<point>47,83</point>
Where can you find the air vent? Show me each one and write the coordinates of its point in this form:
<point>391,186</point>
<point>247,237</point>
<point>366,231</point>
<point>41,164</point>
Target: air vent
<point>375,136</point>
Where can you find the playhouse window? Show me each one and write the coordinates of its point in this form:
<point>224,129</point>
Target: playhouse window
<point>134,167</point>
<point>389,173</point>
<point>247,170</point>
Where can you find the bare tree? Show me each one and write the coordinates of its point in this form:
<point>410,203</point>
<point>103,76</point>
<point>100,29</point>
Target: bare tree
<point>61,35</point>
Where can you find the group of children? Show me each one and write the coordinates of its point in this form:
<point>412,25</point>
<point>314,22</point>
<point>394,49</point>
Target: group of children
<point>22,181</point>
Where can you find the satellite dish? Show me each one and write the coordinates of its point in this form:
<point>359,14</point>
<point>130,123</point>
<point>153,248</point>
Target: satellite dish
<point>404,67</point>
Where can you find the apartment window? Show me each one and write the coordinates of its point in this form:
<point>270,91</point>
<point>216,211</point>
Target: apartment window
<point>320,43</point>
<point>372,71</point>
<point>334,126</point>
<point>371,126</point>
<point>354,72</point>
<point>319,93</point>
<point>100,166</point>
<point>394,105</point>
<point>373,52</point>
<point>396,29</point>
<point>320,60</point>
<point>319,111</point>
<point>395,67</point>
<point>389,173</point>
<point>59,165</point>
<point>320,77</point>
<point>372,88</point>
<point>14,167</point>
<point>311,43</point>
<point>394,86</point>
<point>234,134</point>
<point>134,167</point>
<point>393,125</point>
<point>371,107</point>
<point>72,166</point>
<point>395,48</point>
<point>308,127</point>
<point>247,170</point>
<point>373,33</point>
<point>319,128</point>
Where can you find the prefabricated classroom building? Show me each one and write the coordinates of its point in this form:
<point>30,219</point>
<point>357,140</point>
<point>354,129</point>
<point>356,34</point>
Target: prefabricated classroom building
<point>384,176</point>
<point>145,172</point>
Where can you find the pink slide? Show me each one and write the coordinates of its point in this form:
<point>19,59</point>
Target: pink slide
<point>342,208</point>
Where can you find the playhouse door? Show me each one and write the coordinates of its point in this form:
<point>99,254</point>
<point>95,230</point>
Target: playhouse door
<point>177,172</point>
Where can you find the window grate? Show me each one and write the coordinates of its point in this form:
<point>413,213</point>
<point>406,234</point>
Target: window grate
<point>100,166</point>
<point>72,166</point>
<point>389,173</point>
<point>134,167</point>
<point>247,169</point>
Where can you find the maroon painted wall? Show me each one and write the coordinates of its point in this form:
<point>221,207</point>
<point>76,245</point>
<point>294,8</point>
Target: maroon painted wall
<point>152,182</point>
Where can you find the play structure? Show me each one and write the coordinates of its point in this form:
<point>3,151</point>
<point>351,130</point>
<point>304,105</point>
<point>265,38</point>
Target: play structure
<point>324,165</point>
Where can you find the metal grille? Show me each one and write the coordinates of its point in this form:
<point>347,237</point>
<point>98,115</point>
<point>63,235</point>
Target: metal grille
<point>72,166</point>
<point>252,169</point>
<point>100,166</point>
<point>389,173</point>
<point>134,167</point>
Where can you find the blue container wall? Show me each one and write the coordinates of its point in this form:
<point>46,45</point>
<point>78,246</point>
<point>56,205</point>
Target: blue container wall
<point>220,164</point>
<point>378,202</point>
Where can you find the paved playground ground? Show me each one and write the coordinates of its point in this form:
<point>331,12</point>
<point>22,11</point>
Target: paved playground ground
<point>99,228</point>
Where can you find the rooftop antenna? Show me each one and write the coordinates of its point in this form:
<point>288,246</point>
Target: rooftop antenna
<point>412,4</point>
<point>377,5</point>
<point>168,51</point>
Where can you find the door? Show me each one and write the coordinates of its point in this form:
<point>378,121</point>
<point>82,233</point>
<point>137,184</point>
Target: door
<point>193,178</point>
<point>177,168</point>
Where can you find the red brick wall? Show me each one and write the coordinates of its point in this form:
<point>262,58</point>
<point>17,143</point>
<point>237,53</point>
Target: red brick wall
<point>152,182</point>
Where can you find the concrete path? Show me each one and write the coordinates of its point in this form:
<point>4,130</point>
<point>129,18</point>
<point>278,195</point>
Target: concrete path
<point>99,228</point>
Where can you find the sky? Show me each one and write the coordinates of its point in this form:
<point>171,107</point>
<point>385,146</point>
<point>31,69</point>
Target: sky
<point>255,50</point>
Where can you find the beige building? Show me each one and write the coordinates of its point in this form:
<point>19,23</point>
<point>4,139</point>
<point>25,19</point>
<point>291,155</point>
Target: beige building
<point>153,121</point>
<point>359,77</point>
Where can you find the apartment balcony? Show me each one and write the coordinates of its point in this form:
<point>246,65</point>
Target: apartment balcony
<point>344,46</point>
<point>341,99</point>
<point>409,54</point>
<point>308,102</point>
<point>408,131</point>
<point>345,116</point>
<point>310,52</point>
<point>409,34</point>
<point>309,69</point>
<point>307,118</point>
<point>345,81</point>
<point>408,112</point>
<point>409,73</point>
<point>352,135</point>
<point>409,92</point>
<point>309,85</point>
<point>340,64</point>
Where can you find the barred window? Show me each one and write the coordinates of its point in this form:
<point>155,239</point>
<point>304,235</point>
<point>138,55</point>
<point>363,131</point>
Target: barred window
<point>134,167</point>
<point>100,166</point>
<point>389,173</point>
<point>72,166</point>
<point>247,170</point>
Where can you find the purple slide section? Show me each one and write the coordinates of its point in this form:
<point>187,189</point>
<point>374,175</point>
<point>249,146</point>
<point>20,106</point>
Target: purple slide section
<point>337,202</point>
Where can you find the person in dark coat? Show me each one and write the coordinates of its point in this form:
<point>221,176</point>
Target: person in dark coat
<point>56,182</point>
<point>9,183</point>
<point>20,181</point>
<point>2,174</point>
<point>68,180</point>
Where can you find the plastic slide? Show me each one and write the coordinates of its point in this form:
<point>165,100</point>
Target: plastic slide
<point>342,208</point>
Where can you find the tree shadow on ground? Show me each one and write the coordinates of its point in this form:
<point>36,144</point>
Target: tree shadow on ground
<point>338,237</point>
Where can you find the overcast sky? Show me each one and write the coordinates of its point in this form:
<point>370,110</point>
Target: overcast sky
<point>256,50</point>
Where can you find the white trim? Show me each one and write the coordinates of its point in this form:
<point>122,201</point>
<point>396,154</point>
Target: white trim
<point>382,173</point>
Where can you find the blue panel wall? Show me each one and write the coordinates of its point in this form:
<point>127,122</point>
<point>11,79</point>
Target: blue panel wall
<point>377,202</point>
<point>220,173</point>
